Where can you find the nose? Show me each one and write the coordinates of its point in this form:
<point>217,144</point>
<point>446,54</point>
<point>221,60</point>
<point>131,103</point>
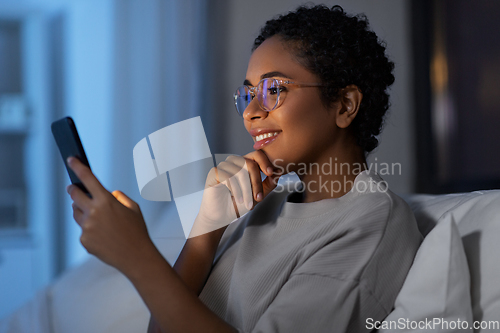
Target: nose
<point>254,111</point>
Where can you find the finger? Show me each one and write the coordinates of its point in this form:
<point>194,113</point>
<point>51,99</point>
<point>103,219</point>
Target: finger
<point>240,169</point>
<point>126,201</point>
<point>254,170</point>
<point>216,175</point>
<point>272,178</point>
<point>262,160</point>
<point>212,178</point>
<point>239,183</point>
<point>79,197</point>
<point>271,182</point>
<point>255,180</point>
<point>87,177</point>
<point>243,177</point>
<point>226,179</point>
<point>235,189</point>
<point>231,174</point>
<point>232,185</point>
<point>78,214</point>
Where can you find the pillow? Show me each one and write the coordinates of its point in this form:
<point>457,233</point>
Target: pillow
<point>477,215</point>
<point>95,297</point>
<point>478,221</point>
<point>32,317</point>
<point>436,293</point>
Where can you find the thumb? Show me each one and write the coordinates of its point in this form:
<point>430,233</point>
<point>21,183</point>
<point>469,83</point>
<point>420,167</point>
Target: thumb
<point>270,183</point>
<point>126,201</point>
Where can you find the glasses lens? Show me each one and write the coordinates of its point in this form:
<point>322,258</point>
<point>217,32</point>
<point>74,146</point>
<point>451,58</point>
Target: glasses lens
<point>268,94</point>
<point>242,98</point>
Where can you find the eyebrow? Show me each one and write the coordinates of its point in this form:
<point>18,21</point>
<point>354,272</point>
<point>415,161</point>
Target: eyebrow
<point>268,75</point>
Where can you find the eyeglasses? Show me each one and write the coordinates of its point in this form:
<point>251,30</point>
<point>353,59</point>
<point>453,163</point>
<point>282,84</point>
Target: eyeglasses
<point>270,94</point>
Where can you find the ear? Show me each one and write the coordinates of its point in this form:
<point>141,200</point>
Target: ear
<point>350,100</point>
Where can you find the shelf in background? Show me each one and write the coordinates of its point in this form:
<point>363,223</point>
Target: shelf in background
<point>4,130</point>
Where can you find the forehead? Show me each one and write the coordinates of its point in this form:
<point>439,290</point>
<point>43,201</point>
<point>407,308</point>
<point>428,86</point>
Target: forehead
<point>273,55</point>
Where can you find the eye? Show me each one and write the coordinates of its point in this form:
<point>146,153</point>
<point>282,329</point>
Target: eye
<point>274,90</point>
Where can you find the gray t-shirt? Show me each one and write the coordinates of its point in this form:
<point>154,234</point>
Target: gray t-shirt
<point>325,266</point>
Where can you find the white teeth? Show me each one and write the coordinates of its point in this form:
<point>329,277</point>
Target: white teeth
<point>265,136</point>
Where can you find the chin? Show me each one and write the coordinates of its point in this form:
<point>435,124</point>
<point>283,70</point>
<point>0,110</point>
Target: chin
<point>278,160</point>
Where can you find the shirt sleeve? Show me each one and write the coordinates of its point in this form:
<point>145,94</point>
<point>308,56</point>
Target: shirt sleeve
<point>315,303</point>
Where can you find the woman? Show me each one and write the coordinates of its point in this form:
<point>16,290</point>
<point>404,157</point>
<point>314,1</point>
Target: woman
<point>326,257</point>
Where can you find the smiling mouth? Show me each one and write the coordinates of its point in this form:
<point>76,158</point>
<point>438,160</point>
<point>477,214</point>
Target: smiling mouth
<point>265,136</point>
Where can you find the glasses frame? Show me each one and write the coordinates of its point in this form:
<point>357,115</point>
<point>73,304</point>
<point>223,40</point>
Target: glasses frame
<point>280,82</point>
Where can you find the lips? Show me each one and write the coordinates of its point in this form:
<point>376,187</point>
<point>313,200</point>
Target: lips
<point>264,138</point>
<point>258,131</point>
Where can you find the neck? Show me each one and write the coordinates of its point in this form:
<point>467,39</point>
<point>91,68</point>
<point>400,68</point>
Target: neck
<point>333,174</point>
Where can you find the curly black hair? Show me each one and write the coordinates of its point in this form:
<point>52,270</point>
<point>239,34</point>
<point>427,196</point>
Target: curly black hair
<point>341,50</point>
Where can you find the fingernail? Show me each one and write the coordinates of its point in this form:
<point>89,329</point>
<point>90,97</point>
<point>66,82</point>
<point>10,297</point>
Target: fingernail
<point>249,205</point>
<point>69,159</point>
<point>259,196</point>
<point>240,200</point>
<point>269,171</point>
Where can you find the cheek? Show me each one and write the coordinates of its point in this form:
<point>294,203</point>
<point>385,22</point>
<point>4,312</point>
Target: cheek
<point>307,129</point>
<point>305,119</point>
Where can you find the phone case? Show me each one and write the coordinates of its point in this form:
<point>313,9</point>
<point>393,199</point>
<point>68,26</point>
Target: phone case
<point>68,141</point>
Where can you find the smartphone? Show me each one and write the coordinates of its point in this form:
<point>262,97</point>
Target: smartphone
<point>68,141</point>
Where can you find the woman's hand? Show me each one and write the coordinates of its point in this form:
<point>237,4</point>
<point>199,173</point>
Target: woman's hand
<point>113,228</point>
<point>232,189</point>
<point>258,161</point>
